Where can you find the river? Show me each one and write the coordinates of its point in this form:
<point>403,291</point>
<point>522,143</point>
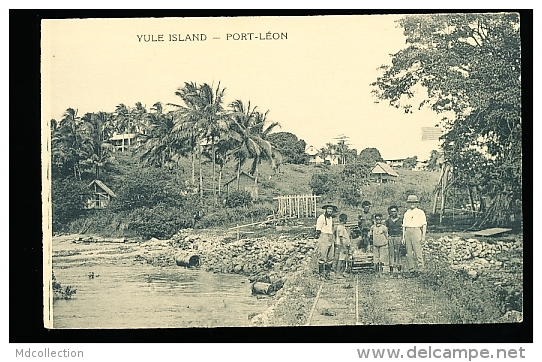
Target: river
<point>123,294</point>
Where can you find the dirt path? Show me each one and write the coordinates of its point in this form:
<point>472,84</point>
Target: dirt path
<point>382,300</point>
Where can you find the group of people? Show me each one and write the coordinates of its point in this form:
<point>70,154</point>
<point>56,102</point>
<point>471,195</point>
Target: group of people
<point>385,238</point>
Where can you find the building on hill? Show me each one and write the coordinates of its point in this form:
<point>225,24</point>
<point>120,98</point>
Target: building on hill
<point>246,183</point>
<point>313,154</point>
<point>122,142</point>
<point>101,195</point>
<point>382,173</point>
<point>397,162</point>
<point>315,158</point>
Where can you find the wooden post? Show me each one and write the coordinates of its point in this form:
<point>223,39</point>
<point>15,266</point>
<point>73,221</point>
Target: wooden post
<point>289,206</point>
<point>238,232</point>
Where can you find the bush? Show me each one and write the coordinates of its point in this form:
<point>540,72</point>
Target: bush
<point>68,199</point>
<point>148,187</point>
<point>319,183</point>
<point>161,221</point>
<point>62,293</point>
<point>228,216</point>
<point>239,198</point>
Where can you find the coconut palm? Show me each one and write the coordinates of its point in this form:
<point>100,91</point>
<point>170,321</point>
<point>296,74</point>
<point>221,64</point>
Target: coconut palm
<point>95,126</point>
<point>70,144</point>
<point>250,130</point>
<point>202,120</point>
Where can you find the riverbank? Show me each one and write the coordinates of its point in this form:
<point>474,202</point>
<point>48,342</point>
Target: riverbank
<point>466,280</point>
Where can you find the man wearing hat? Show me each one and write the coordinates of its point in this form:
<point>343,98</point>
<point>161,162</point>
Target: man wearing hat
<point>324,232</point>
<point>414,229</point>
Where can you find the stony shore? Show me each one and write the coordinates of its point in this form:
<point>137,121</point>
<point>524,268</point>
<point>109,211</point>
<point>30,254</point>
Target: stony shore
<point>287,263</point>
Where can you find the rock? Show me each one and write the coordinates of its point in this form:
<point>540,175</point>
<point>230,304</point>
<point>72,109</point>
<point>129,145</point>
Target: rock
<point>238,268</point>
<point>512,316</point>
<point>472,274</point>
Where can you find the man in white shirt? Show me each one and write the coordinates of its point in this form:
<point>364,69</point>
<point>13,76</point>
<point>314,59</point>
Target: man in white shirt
<point>414,229</point>
<point>324,232</point>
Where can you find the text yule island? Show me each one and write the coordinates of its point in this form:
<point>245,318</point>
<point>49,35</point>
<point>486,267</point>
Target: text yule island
<point>150,38</point>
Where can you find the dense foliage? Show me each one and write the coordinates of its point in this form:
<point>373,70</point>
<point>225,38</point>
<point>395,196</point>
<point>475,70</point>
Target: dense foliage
<point>68,198</point>
<point>370,156</point>
<point>290,147</point>
<point>470,65</point>
<point>239,198</point>
<point>344,185</point>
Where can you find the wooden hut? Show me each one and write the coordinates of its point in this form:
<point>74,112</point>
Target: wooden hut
<point>382,173</point>
<point>101,195</point>
<point>246,183</point>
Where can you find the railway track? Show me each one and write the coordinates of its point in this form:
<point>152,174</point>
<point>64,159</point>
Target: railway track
<point>337,298</point>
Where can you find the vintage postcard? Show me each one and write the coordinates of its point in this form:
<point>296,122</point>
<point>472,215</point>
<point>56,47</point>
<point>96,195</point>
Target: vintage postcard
<point>282,171</point>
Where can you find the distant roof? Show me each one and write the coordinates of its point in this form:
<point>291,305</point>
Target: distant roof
<point>311,151</point>
<point>103,187</point>
<point>235,177</point>
<point>382,167</point>
<point>123,136</point>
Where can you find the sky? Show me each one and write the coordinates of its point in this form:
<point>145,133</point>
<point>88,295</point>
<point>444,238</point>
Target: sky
<point>315,81</point>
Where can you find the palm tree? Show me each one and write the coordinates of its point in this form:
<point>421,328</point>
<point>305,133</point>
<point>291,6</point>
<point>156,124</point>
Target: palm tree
<point>187,123</point>
<point>250,130</point>
<point>160,144</point>
<point>223,154</point>
<point>213,116</point>
<point>202,119</point>
<point>70,143</point>
<point>98,134</point>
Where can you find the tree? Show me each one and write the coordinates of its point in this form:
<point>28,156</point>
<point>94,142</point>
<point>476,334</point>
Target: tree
<point>98,134</point>
<point>161,145</point>
<point>250,130</point>
<point>432,163</point>
<point>469,64</point>
<point>204,118</point>
<point>410,162</point>
<point>327,151</point>
<point>290,147</point>
<point>71,143</point>
<point>342,151</point>
<point>370,155</point>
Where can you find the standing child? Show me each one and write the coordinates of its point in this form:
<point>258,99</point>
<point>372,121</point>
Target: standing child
<point>342,246</point>
<point>379,232</point>
<point>365,222</point>
<point>395,231</point>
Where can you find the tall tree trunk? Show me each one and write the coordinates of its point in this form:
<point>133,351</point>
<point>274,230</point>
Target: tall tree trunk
<point>238,173</point>
<point>498,214</point>
<point>443,192</point>
<point>193,168</point>
<point>472,203</point>
<point>200,175</point>
<point>214,167</point>
<point>220,181</point>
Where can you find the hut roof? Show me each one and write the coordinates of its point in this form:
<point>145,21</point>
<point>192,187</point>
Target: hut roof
<point>241,174</point>
<point>382,167</point>
<point>103,187</point>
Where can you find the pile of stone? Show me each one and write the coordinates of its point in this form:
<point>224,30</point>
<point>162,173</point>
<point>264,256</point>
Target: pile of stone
<point>498,262</point>
<point>259,258</point>
<point>480,254</point>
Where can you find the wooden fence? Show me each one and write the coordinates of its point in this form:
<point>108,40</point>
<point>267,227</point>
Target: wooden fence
<point>297,205</point>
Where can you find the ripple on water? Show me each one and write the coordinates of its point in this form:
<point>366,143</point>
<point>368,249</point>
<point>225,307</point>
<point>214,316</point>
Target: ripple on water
<point>141,296</point>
